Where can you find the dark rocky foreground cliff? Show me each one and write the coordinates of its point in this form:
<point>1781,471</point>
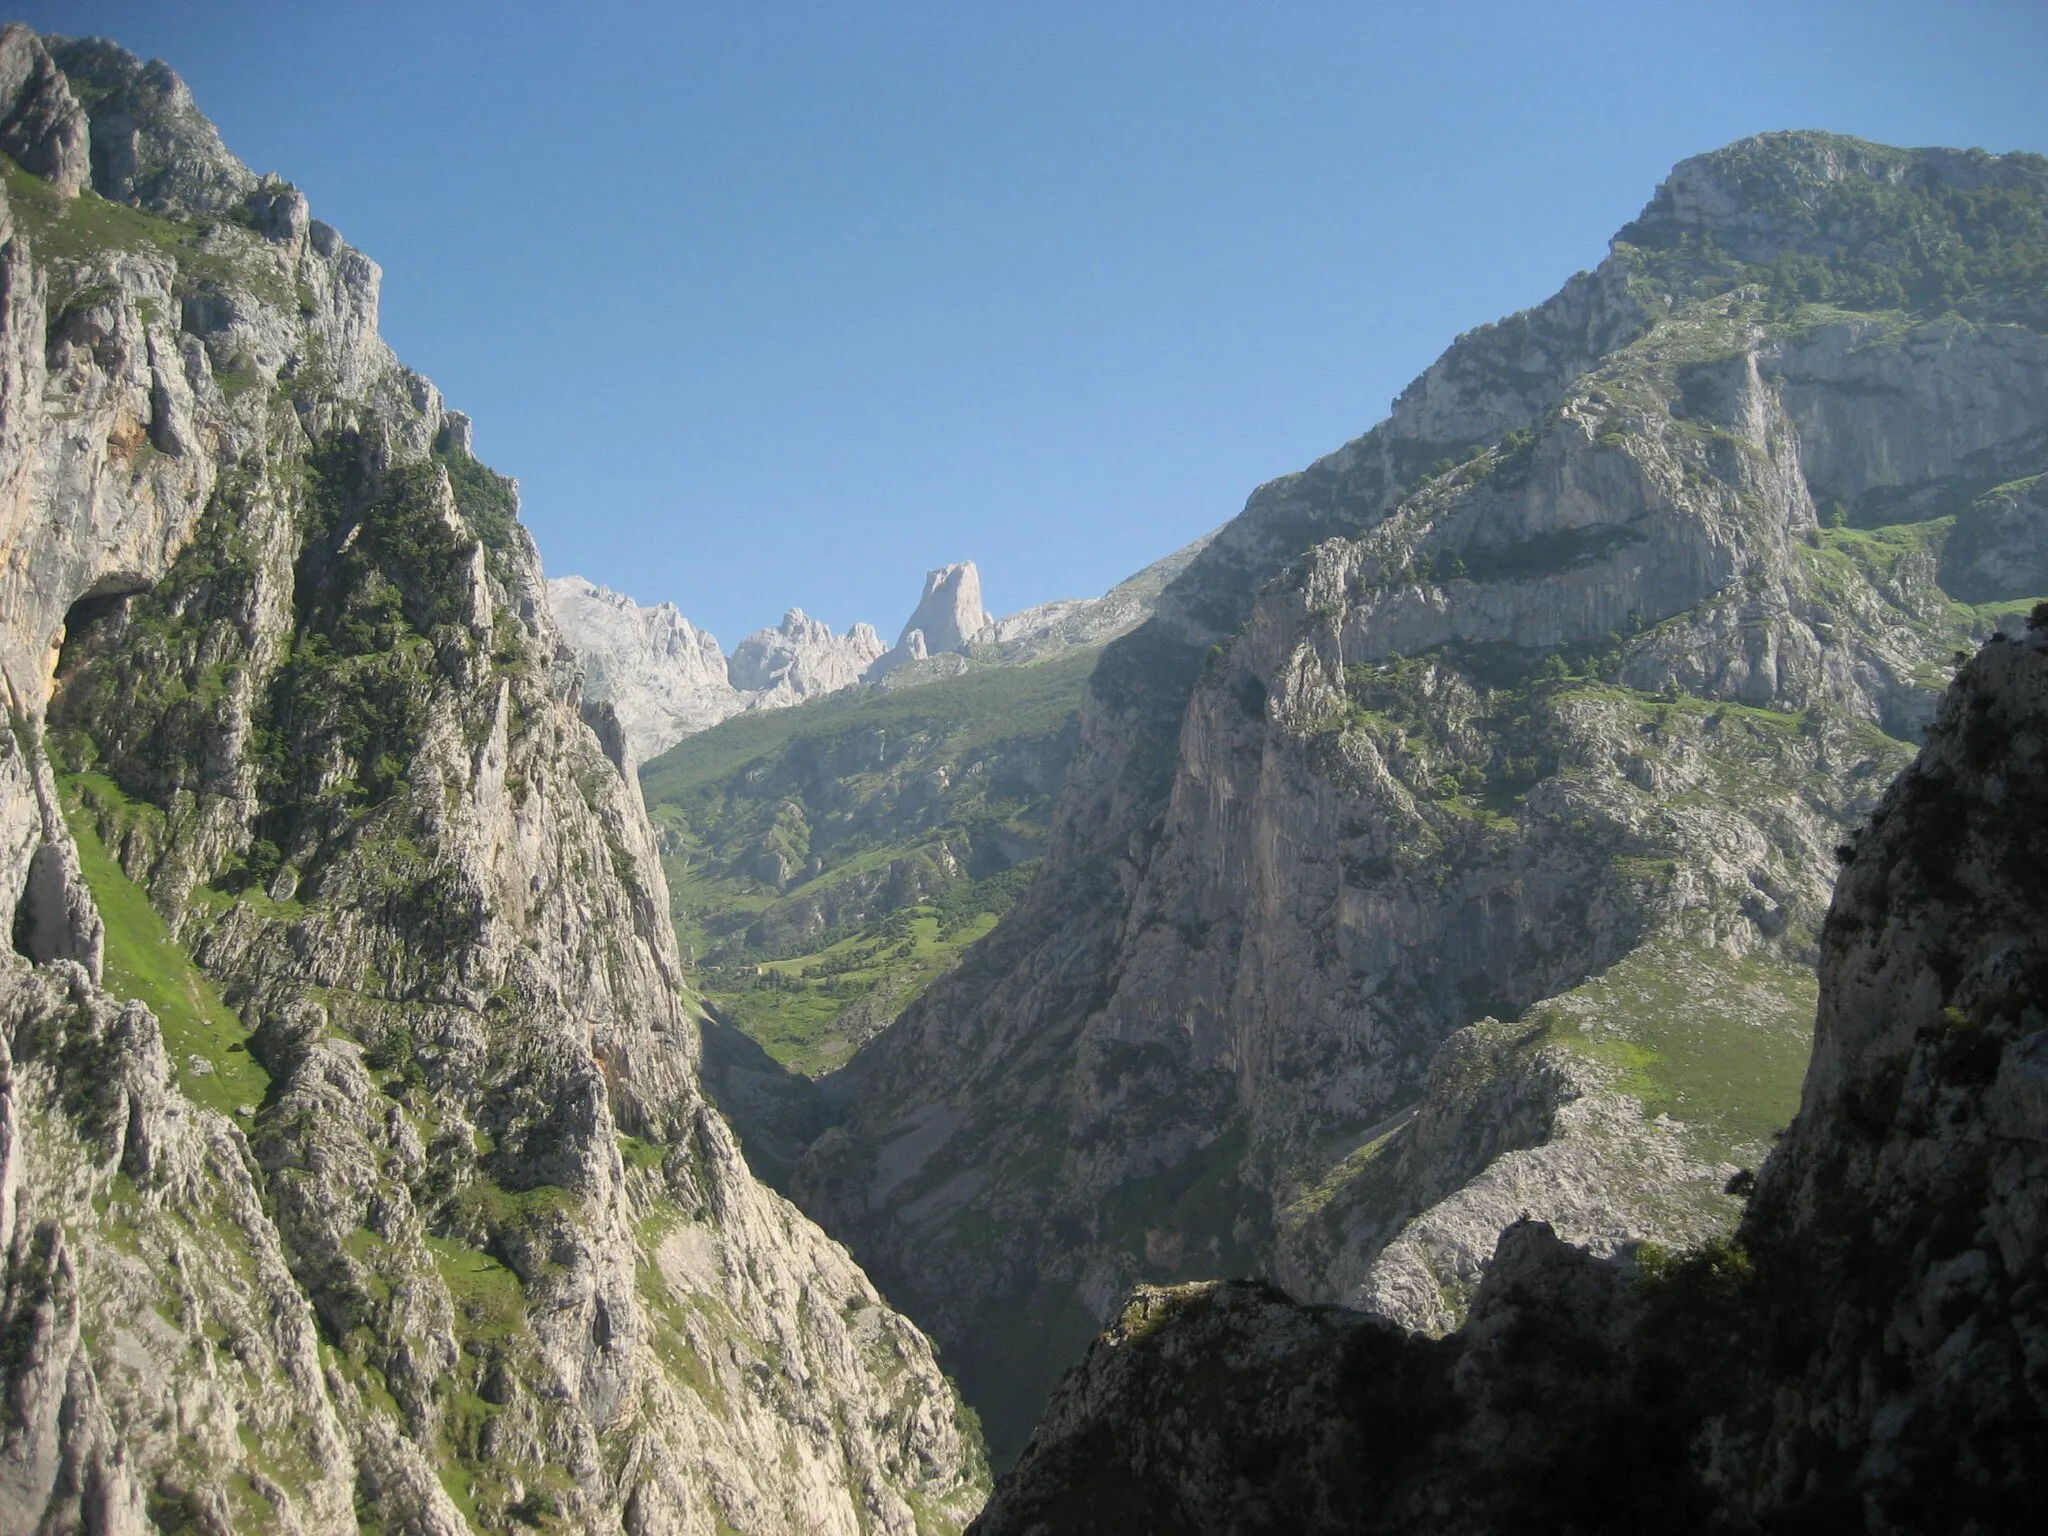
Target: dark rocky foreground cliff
<point>1453,840</point>
<point>354,1169</point>
<point>1868,1353</point>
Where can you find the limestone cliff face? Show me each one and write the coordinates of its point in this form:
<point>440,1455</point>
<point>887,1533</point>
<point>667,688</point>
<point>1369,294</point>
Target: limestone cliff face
<point>1866,1356</point>
<point>1905,1215</point>
<point>663,676</point>
<point>1564,679</point>
<point>949,613</point>
<point>45,128</point>
<point>801,659</point>
<point>353,1165</point>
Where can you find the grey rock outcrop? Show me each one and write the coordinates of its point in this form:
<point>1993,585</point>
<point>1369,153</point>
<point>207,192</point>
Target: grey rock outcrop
<point>801,659</point>
<point>1559,667</point>
<point>44,130</point>
<point>151,145</point>
<point>375,1186</point>
<point>1865,1356</point>
<point>662,675</point>
<point>1903,1221</point>
<point>949,613</point>
<point>947,620</point>
<point>667,679</point>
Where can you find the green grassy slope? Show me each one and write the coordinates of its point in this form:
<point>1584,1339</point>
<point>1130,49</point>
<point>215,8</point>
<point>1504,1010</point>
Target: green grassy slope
<point>1718,1043</point>
<point>826,863</point>
<point>981,707</point>
<point>207,1043</point>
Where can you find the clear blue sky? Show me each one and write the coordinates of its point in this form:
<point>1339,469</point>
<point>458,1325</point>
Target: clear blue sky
<point>774,303</point>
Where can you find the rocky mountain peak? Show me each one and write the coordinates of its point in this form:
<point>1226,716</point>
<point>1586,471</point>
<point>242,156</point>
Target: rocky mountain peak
<point>948,618</point>
<point>800,658</point>
<point>45,128</point>
<point>151,146</point>
<point>949,614</point>
<point>1819,194</point>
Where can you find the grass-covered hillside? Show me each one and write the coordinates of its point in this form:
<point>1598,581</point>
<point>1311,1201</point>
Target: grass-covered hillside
<point>827,862</point>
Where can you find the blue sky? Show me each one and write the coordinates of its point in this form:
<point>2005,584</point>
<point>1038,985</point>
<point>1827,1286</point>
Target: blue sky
<point>773,304</point>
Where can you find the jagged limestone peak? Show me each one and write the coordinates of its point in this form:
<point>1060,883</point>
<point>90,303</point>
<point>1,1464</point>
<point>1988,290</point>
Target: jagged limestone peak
<point>151,145</point>
<point>949,613</point>
<point>802,658</point>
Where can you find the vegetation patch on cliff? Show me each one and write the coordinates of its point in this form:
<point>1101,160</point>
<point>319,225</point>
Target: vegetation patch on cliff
<point>827,862</point>
<point>207,1043</point>
<point>1716,1041</point>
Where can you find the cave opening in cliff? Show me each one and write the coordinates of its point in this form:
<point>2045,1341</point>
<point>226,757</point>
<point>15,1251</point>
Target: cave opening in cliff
<point>24,924</point>
<point>91,624</point>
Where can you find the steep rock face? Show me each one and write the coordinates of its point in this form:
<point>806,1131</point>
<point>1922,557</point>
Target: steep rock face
<point>151,145</point>
<point>1592,649</point>
<point>44,131</point>
<point>1868,1355</point>
<point>949,613</point>
<point>947,620</point>
<point>662,675</point>
<point>353,1165</point>
<point>1906,1211</point>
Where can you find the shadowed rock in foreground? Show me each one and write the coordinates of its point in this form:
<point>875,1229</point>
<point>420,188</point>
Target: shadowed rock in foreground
<point>1869,1353</point>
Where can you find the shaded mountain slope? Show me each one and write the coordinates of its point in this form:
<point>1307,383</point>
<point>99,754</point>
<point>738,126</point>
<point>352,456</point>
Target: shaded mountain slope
<point>1572,671</point>
<point>1869,1354</point>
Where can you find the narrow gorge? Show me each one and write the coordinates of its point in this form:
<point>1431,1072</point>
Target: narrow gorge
<point>1319,1037</point>
<point>1451,844</point>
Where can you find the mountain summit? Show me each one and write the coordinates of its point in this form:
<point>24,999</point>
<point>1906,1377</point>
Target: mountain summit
<point>667,679</point>
<point>949,615</point>
<point>1452,840</point>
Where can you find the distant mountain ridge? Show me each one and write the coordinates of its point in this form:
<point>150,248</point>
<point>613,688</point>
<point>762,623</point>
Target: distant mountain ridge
<point>666,679</point>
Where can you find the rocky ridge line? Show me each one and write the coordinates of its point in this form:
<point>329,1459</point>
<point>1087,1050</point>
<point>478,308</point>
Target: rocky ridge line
<point>667,679</point>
